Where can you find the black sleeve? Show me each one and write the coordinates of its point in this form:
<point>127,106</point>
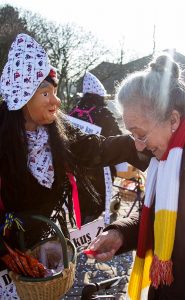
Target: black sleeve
<point>92,151</point>
<point>129,228</point>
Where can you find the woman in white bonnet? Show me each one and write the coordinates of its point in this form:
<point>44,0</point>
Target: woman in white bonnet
<point>92,108</point>
<point>153,105</point>
<point>40,153</point>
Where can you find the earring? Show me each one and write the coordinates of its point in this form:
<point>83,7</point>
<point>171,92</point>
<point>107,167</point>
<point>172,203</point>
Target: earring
<point>173,130</point>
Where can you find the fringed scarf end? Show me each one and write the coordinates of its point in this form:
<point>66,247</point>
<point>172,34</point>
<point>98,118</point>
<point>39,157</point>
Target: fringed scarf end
<point>161,272</point>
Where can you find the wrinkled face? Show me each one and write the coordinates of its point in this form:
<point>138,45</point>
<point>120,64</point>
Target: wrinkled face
<point>147,132</point>
<point>42,108</point>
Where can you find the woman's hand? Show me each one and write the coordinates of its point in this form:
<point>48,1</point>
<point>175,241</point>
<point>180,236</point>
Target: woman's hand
<point>106,245</point>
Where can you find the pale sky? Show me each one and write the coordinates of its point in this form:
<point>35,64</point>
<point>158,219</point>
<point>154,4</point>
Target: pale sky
<point>111,20</point>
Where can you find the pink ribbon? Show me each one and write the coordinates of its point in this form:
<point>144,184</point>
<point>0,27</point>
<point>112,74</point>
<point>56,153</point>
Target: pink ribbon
<point>75,198</point>
<point>81,112</point>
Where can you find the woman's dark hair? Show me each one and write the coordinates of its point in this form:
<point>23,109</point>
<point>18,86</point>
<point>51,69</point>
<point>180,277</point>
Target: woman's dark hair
<point>14,151</point>
<point>92,99</point>
<point>13,144</point>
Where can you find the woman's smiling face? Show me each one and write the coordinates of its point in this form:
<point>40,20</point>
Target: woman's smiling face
<point>147,131</point>
<point>42,108</point>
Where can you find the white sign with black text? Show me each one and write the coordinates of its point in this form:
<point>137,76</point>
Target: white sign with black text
<point>7,287</point>
<point>84,126</point>
<point>83,237</point>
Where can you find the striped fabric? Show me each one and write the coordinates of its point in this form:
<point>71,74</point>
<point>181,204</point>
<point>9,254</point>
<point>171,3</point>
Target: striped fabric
<point>155,266</point>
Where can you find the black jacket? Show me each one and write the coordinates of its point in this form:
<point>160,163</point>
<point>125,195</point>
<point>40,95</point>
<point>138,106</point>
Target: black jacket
<point>91,151</point>
<point>102,117</point>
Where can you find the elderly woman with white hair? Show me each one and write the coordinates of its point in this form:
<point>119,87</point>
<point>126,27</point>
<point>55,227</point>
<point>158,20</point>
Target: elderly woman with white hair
<point>153,105</point>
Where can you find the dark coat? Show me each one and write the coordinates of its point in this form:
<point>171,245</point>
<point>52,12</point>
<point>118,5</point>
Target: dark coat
<point>100,114</point>
<point>129,228</point>
<point>90,151</point>
<point>102,117</point>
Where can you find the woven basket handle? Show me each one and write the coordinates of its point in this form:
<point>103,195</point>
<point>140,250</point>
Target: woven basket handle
<point>59,235</point>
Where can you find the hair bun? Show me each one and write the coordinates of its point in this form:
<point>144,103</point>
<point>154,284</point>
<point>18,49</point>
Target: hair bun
<point>164,63</point>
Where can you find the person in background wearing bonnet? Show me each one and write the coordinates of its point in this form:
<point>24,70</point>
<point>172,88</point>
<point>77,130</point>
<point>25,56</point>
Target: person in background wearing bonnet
<point>92,108</point>
<point>40,153</point>
<point>153,104</point>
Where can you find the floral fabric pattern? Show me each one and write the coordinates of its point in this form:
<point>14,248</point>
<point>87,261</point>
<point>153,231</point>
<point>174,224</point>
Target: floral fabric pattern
<point>92,85</point>
<point>7,287</point>
<point>27,66</point>
<point>39,157</point>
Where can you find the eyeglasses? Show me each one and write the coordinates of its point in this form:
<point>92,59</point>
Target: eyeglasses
<point>144,139</point>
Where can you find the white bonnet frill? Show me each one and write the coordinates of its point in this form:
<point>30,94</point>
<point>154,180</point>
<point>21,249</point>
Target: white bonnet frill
<point>92,85</point>
<point>26,68</point>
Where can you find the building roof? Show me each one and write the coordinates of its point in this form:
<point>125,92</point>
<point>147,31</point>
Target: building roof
<point>111,74</point>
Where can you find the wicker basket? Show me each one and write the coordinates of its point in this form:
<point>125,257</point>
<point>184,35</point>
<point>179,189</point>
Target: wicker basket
<point>51,287</point>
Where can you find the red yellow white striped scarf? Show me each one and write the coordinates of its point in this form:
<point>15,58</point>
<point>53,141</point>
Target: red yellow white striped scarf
<point>155,266</point>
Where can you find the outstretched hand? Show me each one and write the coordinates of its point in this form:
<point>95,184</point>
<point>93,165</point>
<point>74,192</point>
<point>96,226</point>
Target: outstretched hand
<point>105,245</point>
